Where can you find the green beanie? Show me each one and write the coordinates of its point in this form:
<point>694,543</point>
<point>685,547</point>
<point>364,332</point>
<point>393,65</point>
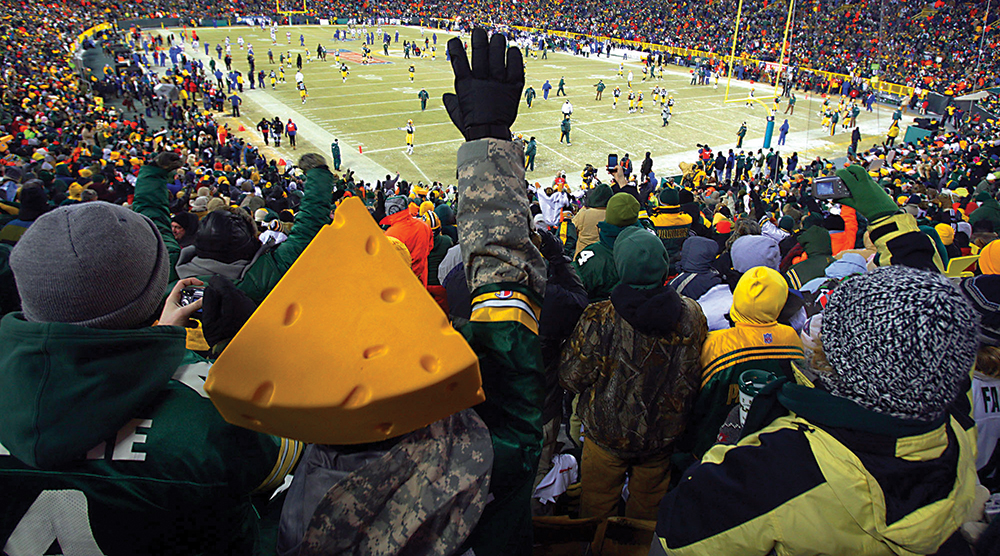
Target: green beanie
<point>640,258</point>
<point>599,196</point>
<point>669,197</point>
<point>786,223</point>
<point>623,210</point>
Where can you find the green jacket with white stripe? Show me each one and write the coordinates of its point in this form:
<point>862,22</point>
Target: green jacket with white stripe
<point>109,445</point>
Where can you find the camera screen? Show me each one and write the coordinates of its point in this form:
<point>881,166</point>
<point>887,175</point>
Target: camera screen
<point>824,187</point>
<point>189,296</point>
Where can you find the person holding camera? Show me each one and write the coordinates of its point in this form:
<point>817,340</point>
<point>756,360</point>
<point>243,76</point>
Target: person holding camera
<point>109,442</point>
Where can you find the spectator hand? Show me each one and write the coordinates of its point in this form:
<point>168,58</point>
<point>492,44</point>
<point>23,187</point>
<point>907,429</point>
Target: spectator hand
<point>168,161</point>
<point>311,160</point>
<point>866,196</point>
<point>174,314</point>
<point>486,97</point>
<point>551,248</point>
<point>226,310</point>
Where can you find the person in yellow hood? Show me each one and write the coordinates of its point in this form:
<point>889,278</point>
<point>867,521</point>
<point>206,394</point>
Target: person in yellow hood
<point>756,341</point>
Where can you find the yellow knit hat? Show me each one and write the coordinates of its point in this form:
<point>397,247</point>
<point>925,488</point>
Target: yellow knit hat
<point>946,233</point>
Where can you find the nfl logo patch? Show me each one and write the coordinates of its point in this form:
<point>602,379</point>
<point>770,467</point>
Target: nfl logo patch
<point>768,338</point>
<point>504,294</point>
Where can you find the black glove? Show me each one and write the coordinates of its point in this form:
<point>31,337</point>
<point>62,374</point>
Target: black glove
<point>551,248</point>
<point>169,161</point>
<point>311,160</point>
<point>487,95</point>
<point>224,310</point>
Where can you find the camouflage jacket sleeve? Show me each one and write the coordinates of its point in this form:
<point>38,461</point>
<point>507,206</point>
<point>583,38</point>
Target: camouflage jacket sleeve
<point>506,276</point>
<point>581,363</point>
<point>493,216</point>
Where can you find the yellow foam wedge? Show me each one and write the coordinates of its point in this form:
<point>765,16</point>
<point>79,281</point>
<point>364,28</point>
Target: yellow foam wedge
<point>348,348</point>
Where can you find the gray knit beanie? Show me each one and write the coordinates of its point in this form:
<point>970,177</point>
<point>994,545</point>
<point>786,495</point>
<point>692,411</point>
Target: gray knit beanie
<point>899,341</point>
<point>91,264</point>
<point>394,204</point>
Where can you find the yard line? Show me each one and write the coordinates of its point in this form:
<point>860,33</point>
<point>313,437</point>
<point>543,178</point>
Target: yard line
<point>678,145</point>
<point>367,131</point>
<point>330,120</point>
<point>410,158</point>
<point>416,145</point>
<point>585,132</point>
<point>560,155</point>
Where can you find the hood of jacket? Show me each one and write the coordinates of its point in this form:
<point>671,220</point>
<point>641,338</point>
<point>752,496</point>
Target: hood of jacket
<point>848,265</point>
<point>609,232</point>
<point>66,388</point>
<point>697,255</point>
<point>651,311</point>
<point>816,241</point>
<point>189,265</point>
<point>759,297</point>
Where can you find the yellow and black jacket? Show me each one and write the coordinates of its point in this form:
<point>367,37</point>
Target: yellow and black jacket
<point>830,477</point>
<point>672,226</point>
<point>756,341</point>
<point>727,353</point>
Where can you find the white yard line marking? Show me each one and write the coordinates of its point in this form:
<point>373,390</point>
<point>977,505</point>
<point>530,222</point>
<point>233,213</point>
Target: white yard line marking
<point>410,158</point>
<point>601,139</point>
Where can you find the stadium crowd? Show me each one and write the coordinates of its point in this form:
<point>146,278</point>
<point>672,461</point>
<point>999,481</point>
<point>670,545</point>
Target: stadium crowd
<point>930,46</point>
<point>738,363</point>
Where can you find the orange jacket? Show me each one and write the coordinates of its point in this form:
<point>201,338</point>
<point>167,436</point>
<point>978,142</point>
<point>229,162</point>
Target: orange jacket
<point>841,241</point>
<point>417,237</point>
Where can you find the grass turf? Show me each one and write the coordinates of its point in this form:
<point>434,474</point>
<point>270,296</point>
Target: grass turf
<point>377,100</point>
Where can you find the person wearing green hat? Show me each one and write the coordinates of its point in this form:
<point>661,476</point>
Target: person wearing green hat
<point>634,361</point>
<point>671,224</point>
<point>989,209</point>
<point>587,219</point>
<point>595,263</point>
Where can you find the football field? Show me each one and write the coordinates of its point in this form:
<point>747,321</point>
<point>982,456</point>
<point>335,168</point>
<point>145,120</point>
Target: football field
<point>368,111</point>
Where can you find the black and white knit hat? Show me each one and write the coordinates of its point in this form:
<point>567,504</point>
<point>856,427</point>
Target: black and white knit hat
<point>983,292</point>
<point>899,341</point>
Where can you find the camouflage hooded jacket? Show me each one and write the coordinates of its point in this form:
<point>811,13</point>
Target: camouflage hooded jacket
<point>636,389</point>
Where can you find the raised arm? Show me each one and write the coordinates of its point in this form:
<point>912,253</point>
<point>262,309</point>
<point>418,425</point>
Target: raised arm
<point>506,275</point>
<point>152,199</point>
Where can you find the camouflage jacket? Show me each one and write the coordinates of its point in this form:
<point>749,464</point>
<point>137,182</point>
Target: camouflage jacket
<point>422,497</point>
<point>636,390</point>
<point>506,277</point>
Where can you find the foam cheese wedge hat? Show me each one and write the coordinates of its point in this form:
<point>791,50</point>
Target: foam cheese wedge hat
<point>348,348</point>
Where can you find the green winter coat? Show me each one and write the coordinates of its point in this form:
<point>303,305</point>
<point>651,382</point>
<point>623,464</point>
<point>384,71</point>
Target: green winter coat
<point>819,248</point>
<point>442,243</point>
<point>595,264</point>
<point>108,442</point>
<point>988,210</point>
<point>151,200</point>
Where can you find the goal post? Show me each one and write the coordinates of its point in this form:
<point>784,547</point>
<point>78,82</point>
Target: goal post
<point>782,66</point>
<point>288,7</point>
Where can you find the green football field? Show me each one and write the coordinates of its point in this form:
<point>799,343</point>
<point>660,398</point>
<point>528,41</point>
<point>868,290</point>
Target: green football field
<point>368,110</point>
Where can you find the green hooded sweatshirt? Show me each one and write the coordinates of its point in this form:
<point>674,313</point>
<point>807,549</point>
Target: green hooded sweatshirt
<point>819,248</point>
<point>111,430</point>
